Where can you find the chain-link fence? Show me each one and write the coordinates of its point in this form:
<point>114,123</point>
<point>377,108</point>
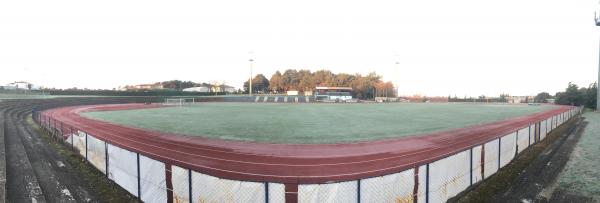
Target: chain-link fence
<point>154,181</point>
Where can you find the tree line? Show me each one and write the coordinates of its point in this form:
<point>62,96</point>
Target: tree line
<point>364,86</point>
<point>573,95</point>
<point>503,98</point>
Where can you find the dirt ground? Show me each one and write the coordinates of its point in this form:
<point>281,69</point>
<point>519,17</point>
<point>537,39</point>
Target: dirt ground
<point>39,169</point>
<point>532,176</point>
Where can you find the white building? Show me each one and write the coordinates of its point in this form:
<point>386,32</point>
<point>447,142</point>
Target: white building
<point>520,99</point>
<point>223,88</point>
<point>21,85</point>
<point>211,88</point>
<point>197,89</point>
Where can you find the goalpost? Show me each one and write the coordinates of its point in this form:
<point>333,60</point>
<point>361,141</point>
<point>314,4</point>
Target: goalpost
<point>179,101</point>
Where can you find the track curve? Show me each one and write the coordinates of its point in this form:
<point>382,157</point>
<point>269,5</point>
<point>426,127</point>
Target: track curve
<point>34,170</point>
<point>291,163</point>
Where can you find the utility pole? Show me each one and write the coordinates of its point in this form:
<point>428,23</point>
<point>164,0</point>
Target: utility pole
<point>597,20</point>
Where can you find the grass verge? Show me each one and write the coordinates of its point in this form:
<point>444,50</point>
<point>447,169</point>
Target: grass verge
<point>581,175</point>
<point>102,187</point>
<point>502,180</point>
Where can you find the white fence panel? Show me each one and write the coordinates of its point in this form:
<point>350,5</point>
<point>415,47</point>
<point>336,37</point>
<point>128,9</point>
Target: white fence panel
<point>508,148</point>
<point>276,192</point>
<point>207,188</point>
<point>79,142</point>
<point>531,134</point>
<point>491,158</point>
<point>421,190</point>
<point>153,184</point>
<point>97,153</point>
<point>476,169</point>
<point>523,139</point>
<point>69,139</point>
<point>334,192</point>
<point>181,184</point>
<point>548,125</point>
<point>396,187</point>
<point>543,130</point>
<point>449,176</point>
<point>122,168</point>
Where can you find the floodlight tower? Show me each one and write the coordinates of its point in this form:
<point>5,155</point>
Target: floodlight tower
<point>397,66</point>
<point>597,20</point>
<point>250,81</point>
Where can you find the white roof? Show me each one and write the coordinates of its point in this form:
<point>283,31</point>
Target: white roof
<point>334,88</point>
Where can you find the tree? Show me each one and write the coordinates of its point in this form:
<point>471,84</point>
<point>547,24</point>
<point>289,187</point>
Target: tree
<point>571,96</point>
<point>542,97</point>
<point>276,83</point>
<point>178,84</point>
<point>290,79</point>
<point>504,97</point>
<point>305,80</point>
<point>591,96</point>
<point>259,84</point>
<point>342,79</point>
<point>323,78</point>
<point>574,95</point>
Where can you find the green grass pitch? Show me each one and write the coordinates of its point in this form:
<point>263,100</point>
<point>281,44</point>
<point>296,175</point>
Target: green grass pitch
<point>312,123</point>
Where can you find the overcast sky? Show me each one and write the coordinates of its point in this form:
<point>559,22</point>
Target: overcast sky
<point>462,47</point>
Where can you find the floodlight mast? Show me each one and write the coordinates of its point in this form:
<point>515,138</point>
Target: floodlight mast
<point>250,81</point>
<point>597,20</point>
<point>398,76</point>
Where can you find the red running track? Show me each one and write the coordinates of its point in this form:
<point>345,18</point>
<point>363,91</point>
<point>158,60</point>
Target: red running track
<point>290,163</point>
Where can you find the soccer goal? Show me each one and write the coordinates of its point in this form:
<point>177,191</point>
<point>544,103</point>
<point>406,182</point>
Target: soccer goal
<point>179,101</point>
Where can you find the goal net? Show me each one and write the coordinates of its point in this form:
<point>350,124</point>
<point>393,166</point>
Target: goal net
<point>179,101</point>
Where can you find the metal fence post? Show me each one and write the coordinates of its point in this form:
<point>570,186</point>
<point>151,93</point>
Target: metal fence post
<point>106,157</point>
<point>499,150</point>
<point>72,139</point>
<point>61,128</point>
<point>358,191</point>
<point>190,185</point>
<point>169,181</point>
<point>427,183</point>
<point>138,177</point>
<point>529,137</point>
<point>471,166</point>
<point>52,127</point>
<point>266,192</point>
<point>86,146</point>
<point>517,144</point>
<point>539,134</point>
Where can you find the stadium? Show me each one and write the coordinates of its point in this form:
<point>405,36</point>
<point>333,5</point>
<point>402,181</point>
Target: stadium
<point>261,149</point>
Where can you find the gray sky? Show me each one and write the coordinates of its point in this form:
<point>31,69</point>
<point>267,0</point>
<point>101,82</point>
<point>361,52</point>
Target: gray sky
<point>462,47</point>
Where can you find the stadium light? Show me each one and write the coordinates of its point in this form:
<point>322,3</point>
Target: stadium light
<point>597,20</point>
<point>397,72</point>
<point>398,78</point>
<point>250,81</point>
